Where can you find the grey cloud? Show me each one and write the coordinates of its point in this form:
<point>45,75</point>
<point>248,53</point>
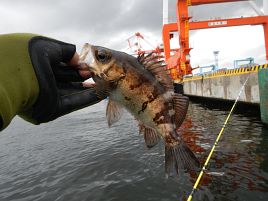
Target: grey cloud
<point>101,21</point>
<point>225,10</point>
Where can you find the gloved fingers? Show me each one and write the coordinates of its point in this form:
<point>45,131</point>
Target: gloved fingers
<point>66,88</point>
<point>64,73</point>
<point>78,100</point>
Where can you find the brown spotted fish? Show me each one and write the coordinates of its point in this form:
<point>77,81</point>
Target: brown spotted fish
<point>143,87</point>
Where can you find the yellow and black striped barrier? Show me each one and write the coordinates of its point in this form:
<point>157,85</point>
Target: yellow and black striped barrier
<point>231,72</point>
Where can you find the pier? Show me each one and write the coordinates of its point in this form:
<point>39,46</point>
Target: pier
<point>226,84</point>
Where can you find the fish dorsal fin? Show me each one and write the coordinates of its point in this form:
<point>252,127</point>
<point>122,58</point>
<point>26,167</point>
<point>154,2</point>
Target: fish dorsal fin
<point>114,112</point>
<point>180,105</point>
<point>156,67</point>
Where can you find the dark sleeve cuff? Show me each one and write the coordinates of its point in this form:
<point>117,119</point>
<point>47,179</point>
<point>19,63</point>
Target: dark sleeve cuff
<point>68,51</point>
<point>1,123</point>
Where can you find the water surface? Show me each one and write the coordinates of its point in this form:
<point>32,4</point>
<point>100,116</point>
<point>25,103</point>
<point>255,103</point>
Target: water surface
<point>77,157</point>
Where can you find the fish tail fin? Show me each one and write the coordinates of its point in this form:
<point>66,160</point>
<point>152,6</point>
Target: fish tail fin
<point>179,157</point>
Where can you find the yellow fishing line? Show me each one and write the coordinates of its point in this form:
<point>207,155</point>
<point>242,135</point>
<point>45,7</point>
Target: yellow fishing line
<point>215,144</point>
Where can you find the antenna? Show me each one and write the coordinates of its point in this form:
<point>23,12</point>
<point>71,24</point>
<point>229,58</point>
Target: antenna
<point>265,7</point>
<point>216,55</point>
<point>165,12</point>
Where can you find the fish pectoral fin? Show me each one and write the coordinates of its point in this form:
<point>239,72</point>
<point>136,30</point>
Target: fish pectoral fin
<point>180,157</point>
<point>150,137</point>
<point>180,105</point>
<point>114,112</point>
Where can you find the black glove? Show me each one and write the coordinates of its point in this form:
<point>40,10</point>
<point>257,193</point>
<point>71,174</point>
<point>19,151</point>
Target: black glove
<point>60,85</point>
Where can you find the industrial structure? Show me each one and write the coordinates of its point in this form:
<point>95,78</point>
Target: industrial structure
<point>179,63</point>
<point>219,84</point>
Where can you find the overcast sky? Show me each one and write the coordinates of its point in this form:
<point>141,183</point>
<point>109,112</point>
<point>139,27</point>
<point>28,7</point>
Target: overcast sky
<point>110,22</point>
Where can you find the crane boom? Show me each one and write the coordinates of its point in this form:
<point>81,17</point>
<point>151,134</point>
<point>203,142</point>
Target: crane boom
<point>179,63</point>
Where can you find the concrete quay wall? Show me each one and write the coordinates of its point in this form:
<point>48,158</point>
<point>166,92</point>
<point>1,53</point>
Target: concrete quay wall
<point>225,87</point>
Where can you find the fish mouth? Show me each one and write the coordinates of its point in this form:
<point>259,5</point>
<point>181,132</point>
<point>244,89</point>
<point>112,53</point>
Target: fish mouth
<point>87,58</point>
<point>90,59</point>
<point>92,70</point>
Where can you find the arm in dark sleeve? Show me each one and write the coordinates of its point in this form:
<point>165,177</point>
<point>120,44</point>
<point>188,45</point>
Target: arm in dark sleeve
<point>36,81</point>
<point>1,123</point>
<point>61,90</point>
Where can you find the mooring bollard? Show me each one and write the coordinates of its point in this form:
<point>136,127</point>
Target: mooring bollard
<point>263,88</point>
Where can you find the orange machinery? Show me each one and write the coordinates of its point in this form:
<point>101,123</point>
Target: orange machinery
<point>139,50</point>
<point>179,63</point>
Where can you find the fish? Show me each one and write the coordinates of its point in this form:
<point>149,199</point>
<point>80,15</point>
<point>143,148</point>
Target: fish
<point>142,86</point>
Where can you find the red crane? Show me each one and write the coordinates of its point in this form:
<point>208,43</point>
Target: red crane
<point>139,49</point>
<point>179,63</point>
<point>138,46</point>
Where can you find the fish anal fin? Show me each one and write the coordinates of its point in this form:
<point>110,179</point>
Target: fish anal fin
<point>180,157</point>
<point>180,105</point>
<point>114,112</point>
<point>150,137</point>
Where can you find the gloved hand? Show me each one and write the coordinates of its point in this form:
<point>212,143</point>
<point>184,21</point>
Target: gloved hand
<point>42,80</point>
<point>60,79</point>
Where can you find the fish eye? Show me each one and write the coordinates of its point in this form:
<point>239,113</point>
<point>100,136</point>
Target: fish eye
<point>102,55</point>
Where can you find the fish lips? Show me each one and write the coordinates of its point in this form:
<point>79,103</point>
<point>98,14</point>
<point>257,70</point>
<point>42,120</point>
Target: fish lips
<point>88,57</point>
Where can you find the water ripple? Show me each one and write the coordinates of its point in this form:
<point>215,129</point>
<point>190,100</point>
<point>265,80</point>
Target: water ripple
<point>77,157</point>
